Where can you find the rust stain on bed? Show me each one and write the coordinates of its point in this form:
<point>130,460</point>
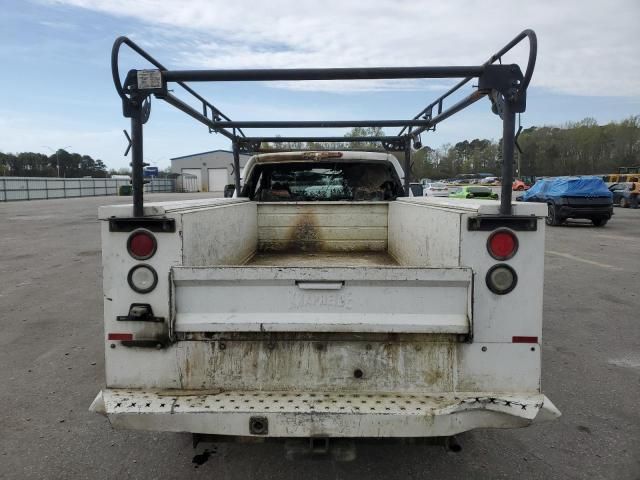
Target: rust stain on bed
<point>304,235</point>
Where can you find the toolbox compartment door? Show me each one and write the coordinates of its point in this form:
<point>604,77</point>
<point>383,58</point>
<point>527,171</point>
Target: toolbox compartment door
<point>319,299</point>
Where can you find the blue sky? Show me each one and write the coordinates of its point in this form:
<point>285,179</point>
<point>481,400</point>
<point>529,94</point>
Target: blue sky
<point>56,88</point>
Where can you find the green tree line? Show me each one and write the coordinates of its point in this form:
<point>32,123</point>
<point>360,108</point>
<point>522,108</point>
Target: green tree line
<point>582,147</point>
<point>31,164</point>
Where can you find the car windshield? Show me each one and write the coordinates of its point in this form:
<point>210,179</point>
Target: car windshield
<point>309,181</point>
<point>479,190</point>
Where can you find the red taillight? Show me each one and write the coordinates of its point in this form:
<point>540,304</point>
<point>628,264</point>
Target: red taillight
<point>502,245</point>
<point>141,244</point>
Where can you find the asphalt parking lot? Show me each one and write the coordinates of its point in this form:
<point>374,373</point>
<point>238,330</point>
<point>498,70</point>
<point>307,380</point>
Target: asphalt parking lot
<point>51,367</point>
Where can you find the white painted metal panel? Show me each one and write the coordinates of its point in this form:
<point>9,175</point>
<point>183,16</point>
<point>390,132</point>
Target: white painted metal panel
<point>503,367</point>
<point>498,318</point>
<point>197,172</point>
<point>118,296</point>
<point>422,235</point>
<point>406,363</point>
<point>166,208</point>
<point>218,178</point>
<point>483,207</point>
<point>317,226</point>
<point>219,235</point>
<point>292,362</point>
<point>384,299</point>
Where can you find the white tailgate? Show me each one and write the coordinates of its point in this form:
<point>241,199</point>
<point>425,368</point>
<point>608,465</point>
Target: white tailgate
<point>336,299</point>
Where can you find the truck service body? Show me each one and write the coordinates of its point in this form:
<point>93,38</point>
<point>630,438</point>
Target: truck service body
<point>322,318</point>
<point>323,301</point>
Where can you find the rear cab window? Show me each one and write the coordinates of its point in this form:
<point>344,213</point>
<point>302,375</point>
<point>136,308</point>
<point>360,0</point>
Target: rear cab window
<point>298,181</point>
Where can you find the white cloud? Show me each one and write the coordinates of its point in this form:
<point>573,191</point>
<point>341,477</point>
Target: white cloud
<point>586,47</point>
<point>58,25</point>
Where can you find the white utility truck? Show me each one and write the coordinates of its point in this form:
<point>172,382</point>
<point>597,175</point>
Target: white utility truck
<point>322,301</point>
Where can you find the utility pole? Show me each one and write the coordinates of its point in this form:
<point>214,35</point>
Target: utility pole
<point>57,152</point>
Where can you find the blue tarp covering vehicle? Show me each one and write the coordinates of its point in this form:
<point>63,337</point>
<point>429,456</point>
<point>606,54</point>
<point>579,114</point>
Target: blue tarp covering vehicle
<point>567,187</point>
<point>573,197</point>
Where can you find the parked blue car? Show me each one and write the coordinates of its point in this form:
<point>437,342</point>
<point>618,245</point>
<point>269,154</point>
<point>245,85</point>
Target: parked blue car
<point>572,197</point>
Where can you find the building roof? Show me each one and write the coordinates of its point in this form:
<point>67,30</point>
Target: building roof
<point>210,151</point>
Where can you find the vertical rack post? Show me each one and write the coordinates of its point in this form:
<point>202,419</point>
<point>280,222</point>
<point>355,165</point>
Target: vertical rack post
<point>508,144</point>
<point>236,166</point>
<point>407,164</point>
<point>136,160</point>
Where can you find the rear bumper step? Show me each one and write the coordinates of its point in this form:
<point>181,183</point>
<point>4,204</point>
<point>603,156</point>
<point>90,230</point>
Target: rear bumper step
<point>286,414</point>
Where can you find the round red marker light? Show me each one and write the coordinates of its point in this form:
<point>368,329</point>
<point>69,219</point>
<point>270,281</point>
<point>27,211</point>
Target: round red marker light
<point>502,245</point>
<point>141,245</point>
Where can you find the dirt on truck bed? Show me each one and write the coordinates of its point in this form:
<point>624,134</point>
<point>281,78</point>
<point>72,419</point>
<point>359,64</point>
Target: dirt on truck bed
<point>322,259</point>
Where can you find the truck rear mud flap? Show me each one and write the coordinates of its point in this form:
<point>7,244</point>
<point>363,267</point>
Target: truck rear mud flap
<point>287,414</point>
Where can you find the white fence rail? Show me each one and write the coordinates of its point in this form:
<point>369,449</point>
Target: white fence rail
<point>44,188</point>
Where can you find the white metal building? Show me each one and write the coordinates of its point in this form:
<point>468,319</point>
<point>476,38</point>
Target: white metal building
<point>213,169</point>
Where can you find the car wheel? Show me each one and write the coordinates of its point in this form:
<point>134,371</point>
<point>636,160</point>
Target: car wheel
<point>623,202</point>
<point>552,216</point>
<point>520,188</point>
<point>599,222</point>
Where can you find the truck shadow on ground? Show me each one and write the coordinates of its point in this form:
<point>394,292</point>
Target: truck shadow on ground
<point>476,459</point>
